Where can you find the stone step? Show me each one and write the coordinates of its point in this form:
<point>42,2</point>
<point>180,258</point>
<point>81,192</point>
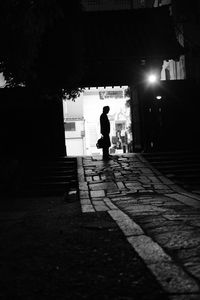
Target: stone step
<point>44,189</point>
<point>183,168</point>
<point>50,177</point>
<point>47,178</point>
<point>183,171</point>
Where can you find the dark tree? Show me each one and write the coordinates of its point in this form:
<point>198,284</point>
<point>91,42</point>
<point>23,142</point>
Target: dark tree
<point>40,44</point>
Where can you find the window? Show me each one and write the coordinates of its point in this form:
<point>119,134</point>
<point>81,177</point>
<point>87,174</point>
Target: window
<point>167,74</point>
<point>70,126</point>
<point>111,94</point>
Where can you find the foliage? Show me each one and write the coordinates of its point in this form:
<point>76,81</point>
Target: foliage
<point>128,95</point>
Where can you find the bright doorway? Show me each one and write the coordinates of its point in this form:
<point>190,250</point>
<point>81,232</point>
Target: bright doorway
<point>81,121</point>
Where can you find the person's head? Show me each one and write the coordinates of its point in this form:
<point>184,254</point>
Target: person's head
<point>106,109</point>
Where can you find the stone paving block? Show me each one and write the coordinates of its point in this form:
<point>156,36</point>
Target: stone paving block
<point>173,205</point>
<point>101,208</point>
<point>173,278</point>
<point>165,180</point>
<point>81,175</point>
<point>180,217</point>
<point>89,173</point>
<point>136,209</point>
<point>147,185</point>
<point>111,194</point>
<point>85,202</point>
<point>96,182</point>
<point>124,202</point>
<point>130,179</point>
<point>102,186</point>
<point>186,254</point>
<point>163,228</point>
<point>87,208</point>
<point>179,239</point>
<point>185,199</point>
<point>122,197</point>
<point>148,250</point>
<point>97,194</point>
<point>97,199</point>
<point>150,221</point>
<point>144,179</point>
<point>146,170</point>
<point>135,185</point>
<point>128,226</point>
<point>131,189</point>
<point>109,203</point>
<point>88,178</point>
<point>193,267</point>
<point>177,188</point>
<point>154,179</point>
<point>120,185</point>
<point>117,174</point>
<point>98,202</point>
<point>160,186</point>
<point>131,192</point>
<point>83,186</point>
<point>154,225</point>
<point>146,191</point>
<point>96,178</point>
<point>191,195</point>
<point>84,194</point>
<point>164,191</point>
<point>130,211</point>
<point>149,201</point>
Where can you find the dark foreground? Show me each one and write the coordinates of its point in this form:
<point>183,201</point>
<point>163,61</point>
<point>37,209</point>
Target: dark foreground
<point>50,250</point>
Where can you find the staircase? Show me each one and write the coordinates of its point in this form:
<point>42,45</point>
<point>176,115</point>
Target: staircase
<point>182,167</point>
<point>49,177</point>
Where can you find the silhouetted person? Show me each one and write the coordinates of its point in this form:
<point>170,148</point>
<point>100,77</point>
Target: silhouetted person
<point>105,131</point>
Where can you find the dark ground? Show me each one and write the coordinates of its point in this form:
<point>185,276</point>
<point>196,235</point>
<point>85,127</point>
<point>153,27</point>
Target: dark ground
<point>50,250</point>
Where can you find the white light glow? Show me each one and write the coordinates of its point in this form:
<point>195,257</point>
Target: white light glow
<point>152,78</point>
<point>158,97</point>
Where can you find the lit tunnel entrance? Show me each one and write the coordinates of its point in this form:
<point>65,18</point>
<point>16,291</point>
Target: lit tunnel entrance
<point>81,121</point>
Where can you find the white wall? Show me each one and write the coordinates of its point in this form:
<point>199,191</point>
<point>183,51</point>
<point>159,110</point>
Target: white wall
<point>75,147</point>
<point>75,140</point>
<point>73,108</point>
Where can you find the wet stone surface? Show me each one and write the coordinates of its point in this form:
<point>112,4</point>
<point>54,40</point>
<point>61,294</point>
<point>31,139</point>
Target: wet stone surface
<point>103,186</point>
<point>169,218</point>
<point>178,239</point>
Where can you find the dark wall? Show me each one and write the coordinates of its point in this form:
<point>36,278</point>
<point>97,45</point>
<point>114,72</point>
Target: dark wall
<point>173,122</point>
<point>30,125</point>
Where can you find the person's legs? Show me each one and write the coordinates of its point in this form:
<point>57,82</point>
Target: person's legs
<point>106,146</point>
<point>105,152</point>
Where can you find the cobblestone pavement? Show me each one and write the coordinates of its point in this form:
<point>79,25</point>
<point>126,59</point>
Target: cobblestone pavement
<point>159,219</point>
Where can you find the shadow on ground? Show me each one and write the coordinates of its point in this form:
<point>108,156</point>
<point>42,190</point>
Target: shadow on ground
<point>49,249</point>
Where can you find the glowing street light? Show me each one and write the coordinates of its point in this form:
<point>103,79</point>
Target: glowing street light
<point>152,78</point>
<point>159,97</point>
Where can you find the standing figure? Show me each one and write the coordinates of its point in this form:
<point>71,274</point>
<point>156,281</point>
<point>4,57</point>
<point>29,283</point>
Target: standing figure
<point>105,131</point>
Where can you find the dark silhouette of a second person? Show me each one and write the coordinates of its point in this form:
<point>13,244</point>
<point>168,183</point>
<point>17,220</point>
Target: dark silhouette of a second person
<point>105,131</point>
